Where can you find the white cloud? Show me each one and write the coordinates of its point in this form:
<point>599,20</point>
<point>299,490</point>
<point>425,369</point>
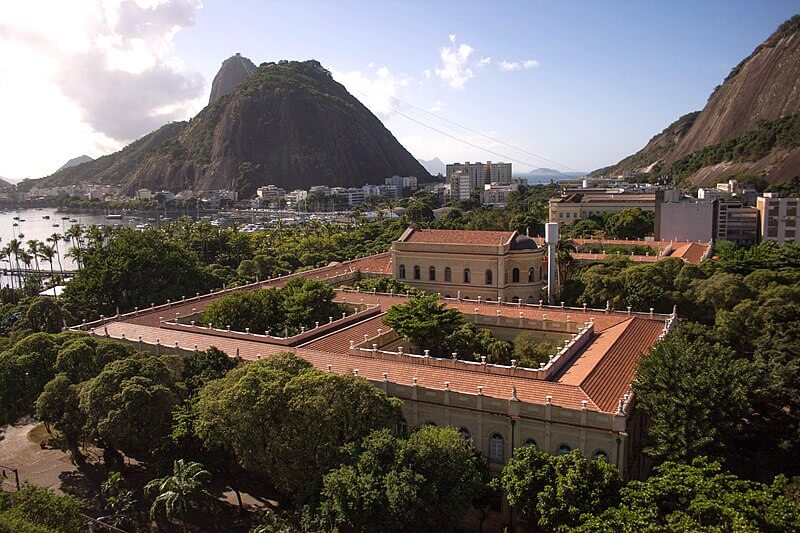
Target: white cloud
<point>484,61</point>
<point>426,73</point>
<point>508,66</point>
<point>377,93</point>
<point>100,72</point>
<point>454,71</point>
<point>437,106</point>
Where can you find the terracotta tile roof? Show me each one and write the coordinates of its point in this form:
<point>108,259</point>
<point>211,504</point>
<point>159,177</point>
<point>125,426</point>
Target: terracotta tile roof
<point>691,252</point>
<point>468,381</point>
<point>446,236</point>
<point>612,374</point>
<point>600,375</point>
<point>339,341</point>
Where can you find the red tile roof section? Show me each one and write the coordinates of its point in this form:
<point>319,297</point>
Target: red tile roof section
<point>468,381</point>
<point>599,376</point>
<point>446,236</point>
<point>611,377</point>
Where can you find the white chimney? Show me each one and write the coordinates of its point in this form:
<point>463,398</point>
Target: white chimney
<point>551,240</point>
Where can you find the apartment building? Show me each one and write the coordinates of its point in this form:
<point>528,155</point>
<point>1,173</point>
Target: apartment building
<point>270,193</point>
<point>777,218</point>
<point>400,183</point>
<point>482,173</point>
<point>496,194</point>
<point>736,222</point>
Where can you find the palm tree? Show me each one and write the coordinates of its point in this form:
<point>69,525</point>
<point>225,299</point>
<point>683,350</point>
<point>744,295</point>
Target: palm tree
<point>47,253</point>
<point>7,252</point>
<point>76,253</point>
<point>179,494</point>
<point>54,238</point>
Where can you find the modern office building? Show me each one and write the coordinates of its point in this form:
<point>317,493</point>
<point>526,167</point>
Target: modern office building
<point>736,222</point>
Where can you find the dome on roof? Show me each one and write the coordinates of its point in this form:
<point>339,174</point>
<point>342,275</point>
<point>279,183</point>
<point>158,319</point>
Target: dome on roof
<point>523,242</point>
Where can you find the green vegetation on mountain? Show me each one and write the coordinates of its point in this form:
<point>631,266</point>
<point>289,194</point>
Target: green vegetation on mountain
<point>783,133</point>
<point>288,123</point>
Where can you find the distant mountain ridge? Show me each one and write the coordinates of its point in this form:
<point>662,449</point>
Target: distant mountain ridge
<point>434,166</point>
<point>75,161</point>
<point>289,124</point>
<point>742,128</point>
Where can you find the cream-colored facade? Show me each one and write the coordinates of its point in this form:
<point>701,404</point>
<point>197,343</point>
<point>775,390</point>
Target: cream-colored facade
<point>777,218</point>
<point>455,265</point>
<point>580,206</point>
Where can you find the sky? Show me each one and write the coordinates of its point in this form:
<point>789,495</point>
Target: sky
<point>569,85</point>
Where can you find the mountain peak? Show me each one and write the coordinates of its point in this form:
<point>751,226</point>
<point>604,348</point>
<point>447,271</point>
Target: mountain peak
<point>231,73</point>
<point>75,161</point>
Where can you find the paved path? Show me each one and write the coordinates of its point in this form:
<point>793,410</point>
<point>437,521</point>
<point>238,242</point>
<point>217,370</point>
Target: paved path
<point>43,467</point>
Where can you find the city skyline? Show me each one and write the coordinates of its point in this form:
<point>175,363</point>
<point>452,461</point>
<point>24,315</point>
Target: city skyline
<point>580,85</point>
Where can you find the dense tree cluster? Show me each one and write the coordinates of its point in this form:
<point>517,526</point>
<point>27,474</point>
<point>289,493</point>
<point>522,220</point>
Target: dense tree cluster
<point>428,324</point>
<point>632,223</point>
<point>300,303</point>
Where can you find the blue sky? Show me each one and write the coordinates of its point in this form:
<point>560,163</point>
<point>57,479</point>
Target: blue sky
<point>580,83</point>
<point>609,76</point>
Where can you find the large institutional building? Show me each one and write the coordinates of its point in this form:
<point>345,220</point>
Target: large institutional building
<point>580,205</point>
<point>487,265</point>
<point>579,400</point>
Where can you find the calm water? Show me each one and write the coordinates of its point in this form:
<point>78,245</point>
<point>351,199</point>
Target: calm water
<point>33,225</point>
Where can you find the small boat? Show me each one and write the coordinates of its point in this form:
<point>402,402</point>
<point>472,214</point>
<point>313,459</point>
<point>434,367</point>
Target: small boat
<point>22,220</point>
<point>55,225</point>
<point>16,218</point>
<point>16,224</point>
<point>64,218</point>
<point>46,217</point>
<point>73,220</point>
<point>21,236</point>
<point>114,216</point>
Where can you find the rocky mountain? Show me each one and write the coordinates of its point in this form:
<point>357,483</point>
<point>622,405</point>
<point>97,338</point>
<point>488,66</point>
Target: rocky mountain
<point>288,124</point>
<point>745,127</point>
<point>233,70</point>
<point>434,166</point>
<point>75,161</point>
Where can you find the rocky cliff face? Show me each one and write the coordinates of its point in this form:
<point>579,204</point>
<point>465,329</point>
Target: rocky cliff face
<point>233,70</point>
<point>763,87</point>
<point>288,124</point>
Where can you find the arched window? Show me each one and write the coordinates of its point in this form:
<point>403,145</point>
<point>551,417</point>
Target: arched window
<point>515,276</point>
<point>530,442</point>
<point>416,271</point>
<point>448,275</point>
<point>564,449</point>
<point>464,432</point>
<point>496,445</point>
<point>401,428</point>
<point>515,299</point>
<point>600,455</point>
<point>402,272</point>
<point>488,277</point>
<point>531,275</point>
<point>531,300</point>
<point>432,273</point>
<point>467,276</point>
<point>430,423</point>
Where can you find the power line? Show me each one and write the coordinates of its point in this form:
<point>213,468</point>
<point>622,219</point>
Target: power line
<point>486,136</point>
<point>462,140</point>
